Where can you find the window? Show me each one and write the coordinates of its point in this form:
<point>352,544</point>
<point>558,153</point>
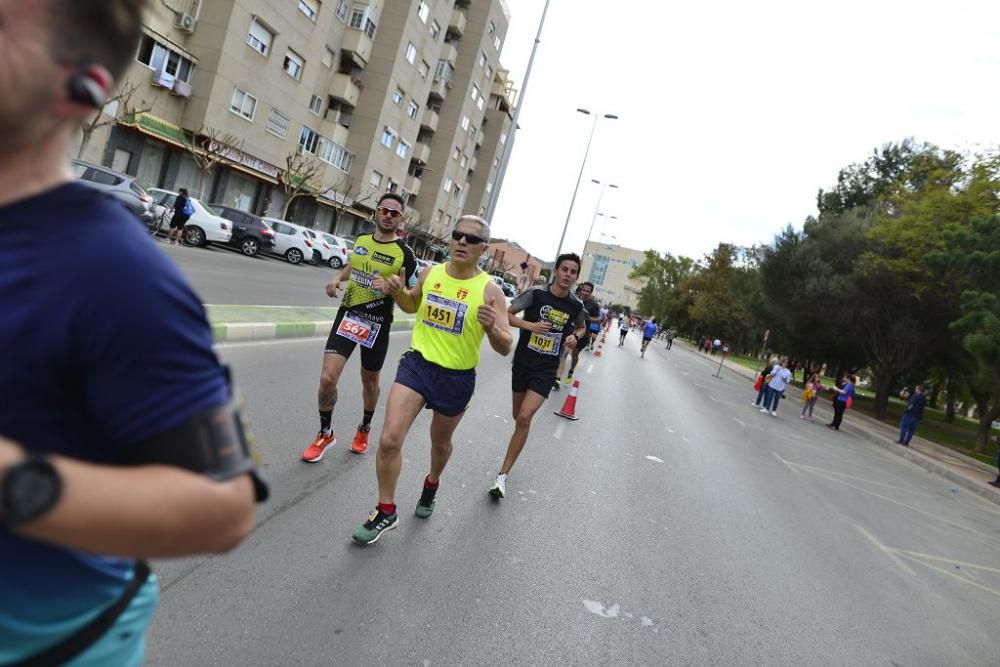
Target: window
<point>482,59</point>
<point>375,182</point>
<point>155,55</point>
<point>293,64</point>
<point>403,149</point>
<point>444,70</point>
<point>489,187</point>
<point>474,93</point>
<point>309,140</point>
<point>503,138</point>
<point>472,131</point>
<point>278,124</point>
<point>464,161</point>
<point>310,8</point>
<point>397,97</point>
<point>316,104</point>
<point>480,103</point>
<point>424,69</point>
<point>260,37</point>
<point>391,185</point>
<point>496,161</point>
<point>388,136</point>
<point>423,11</point>
<point>447,185</point>
<point>361,18</point>
<point>243,104</point>
<point>489,73</point>
<point>328,57</point>
<point>411,53</point>
<point>412,110</point>
<point>435,29</point>
<point>333,153</point>
<point>447,222</point>
<point>342,10</point>
<point>455,154</point>
<point>465,123</point>
<point>492,28</point>
<point>438,214</point>
<point>496,43</point>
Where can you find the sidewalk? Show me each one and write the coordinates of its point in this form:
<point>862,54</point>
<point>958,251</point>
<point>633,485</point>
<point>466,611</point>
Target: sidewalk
<point>254,323</point>
<point>963,471</point>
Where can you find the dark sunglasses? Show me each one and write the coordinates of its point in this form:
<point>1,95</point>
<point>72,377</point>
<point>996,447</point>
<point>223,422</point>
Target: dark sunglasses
<point>391,212</point>
<point>471,239</point>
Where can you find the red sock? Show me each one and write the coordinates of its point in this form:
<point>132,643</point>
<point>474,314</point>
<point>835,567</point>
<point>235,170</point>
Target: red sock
<point>388,508</point>
<point>429,484</point>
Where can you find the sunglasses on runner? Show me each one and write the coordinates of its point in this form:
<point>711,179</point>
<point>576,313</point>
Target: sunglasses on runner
<point>471,239</point>
<point>391,212</point>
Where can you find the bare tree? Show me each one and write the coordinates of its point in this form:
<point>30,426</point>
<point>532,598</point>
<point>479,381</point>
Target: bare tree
<point>207,149</point>
<point>296,179</point>
<point>346,192</point>
<point>122,107</point>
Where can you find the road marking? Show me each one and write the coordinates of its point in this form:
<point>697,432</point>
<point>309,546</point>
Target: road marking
<point>684,372</point>
<point>714,399</point>
<point>744,425</point>
<point>560,427</point>
<point>654,458</point>
<point>670,430</point>
<point>887,552</point>
<point>590,368</point>
<point>685,438</point>
<point>950,574</point>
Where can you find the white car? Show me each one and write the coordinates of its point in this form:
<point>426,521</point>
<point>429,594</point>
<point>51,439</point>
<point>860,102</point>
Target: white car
<point>290,241</point>
<point>340,248</point>
<point>203,228</point>
<point>323,252</point>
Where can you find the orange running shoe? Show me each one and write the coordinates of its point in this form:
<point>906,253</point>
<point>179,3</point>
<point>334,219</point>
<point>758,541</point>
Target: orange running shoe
<point>315,451</point>
<point>360,443</point>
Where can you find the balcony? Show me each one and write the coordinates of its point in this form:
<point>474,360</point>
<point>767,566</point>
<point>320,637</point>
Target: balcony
<point>421,152</point>
<point>456,25</point>
<point>412,185</point>
<point>345,89</point>
<point>429,121</point>
<point>439,89</point>
<point>449,53</point>
<point>356,46</point>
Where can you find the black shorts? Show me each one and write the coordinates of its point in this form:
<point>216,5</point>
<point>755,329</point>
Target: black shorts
<point>179,220</point>
<point>584,341</point>
<point>372,358</point>
<point>444,390</point>
<point>538,379</point>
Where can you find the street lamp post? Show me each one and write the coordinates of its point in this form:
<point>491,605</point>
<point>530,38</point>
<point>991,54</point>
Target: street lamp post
<point>586,153</point>
<point>597,209</point>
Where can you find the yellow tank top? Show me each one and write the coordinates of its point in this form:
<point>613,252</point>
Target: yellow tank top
<point>446,331</point>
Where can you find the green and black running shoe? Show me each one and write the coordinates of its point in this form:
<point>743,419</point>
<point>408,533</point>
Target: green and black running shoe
<point>378,522</point>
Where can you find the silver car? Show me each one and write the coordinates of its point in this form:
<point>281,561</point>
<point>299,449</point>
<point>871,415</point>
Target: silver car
<point>122,186</point>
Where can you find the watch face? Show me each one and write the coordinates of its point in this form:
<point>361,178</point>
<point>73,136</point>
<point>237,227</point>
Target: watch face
<point>32,491</point>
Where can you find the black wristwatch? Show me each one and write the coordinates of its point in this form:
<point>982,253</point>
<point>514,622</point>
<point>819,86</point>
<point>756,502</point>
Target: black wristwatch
<point>28,490</point>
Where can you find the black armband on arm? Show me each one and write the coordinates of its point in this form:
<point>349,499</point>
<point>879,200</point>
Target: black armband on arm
<point>214,443</point>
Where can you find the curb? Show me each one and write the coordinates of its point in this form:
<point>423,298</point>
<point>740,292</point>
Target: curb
<point>927,463</point>
<point>240,332</point>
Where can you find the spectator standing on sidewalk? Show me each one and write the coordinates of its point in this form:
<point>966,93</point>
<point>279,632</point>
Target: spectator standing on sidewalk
<point>118,437</point>
<point>810,394</point>
<point>780,377</point>
<point>912,415</point>
<point>183,210</point>
<point>996,482</point>
<point>765,376</point>
<point>842,401</point>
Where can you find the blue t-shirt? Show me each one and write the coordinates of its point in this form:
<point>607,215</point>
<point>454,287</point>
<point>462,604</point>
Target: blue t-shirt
<point>649,329</point>
<point>104,345</point>
<point>848,393</point>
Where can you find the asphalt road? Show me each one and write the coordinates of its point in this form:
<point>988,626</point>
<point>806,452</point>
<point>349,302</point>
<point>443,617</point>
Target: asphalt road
<point>672,524</point>
<point>224,276</point>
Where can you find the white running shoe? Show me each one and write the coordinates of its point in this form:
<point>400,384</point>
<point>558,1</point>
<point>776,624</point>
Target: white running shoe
<point>499,488</point>
<point>763,409</point>
<point>774,413</point>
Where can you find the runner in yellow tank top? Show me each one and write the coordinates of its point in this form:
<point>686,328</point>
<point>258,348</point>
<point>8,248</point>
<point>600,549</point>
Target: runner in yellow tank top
<point>456,305</point>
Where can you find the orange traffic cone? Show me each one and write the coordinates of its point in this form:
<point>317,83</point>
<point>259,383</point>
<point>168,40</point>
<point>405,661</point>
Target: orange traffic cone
<point>569,406</point>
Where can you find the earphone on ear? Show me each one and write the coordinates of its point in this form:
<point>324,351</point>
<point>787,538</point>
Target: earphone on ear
<point>85,90</point>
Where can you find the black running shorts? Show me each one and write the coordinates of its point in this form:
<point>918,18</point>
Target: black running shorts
<point>524,377</point>
<point>344,338</point>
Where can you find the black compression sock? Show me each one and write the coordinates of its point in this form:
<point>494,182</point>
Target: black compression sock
<point>366,420</point>
<point>325,418</point>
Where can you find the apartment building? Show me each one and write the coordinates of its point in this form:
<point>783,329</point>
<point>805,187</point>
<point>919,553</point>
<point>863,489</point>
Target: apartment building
<point>608,267</point>
<point>322,99</point>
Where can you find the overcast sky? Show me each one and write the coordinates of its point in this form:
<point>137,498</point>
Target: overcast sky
<point>732,114</point>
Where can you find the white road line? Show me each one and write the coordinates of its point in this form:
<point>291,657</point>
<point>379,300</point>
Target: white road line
<point>590,368</point>
<point>559,430</point>
<point>714,399</point>
<point>887,551</point>
<point>741,423</point>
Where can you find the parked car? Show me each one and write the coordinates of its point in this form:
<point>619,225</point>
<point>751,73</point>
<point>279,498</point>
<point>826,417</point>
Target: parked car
<point>203,228</point>
<point>123,187</point>
<point>508,288</point>
<point>423,265</point>
<point>290,241</point>
<point>342,251</point>
<point>322,252</point>
<point>250,232</point>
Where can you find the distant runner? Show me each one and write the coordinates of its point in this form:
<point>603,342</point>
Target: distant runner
<point>648,331</point>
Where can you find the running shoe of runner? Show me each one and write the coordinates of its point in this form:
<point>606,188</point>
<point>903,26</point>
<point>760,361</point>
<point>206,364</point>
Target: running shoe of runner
<point>364,318</point>
<point>456,304</point>
<point>552,318</point>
